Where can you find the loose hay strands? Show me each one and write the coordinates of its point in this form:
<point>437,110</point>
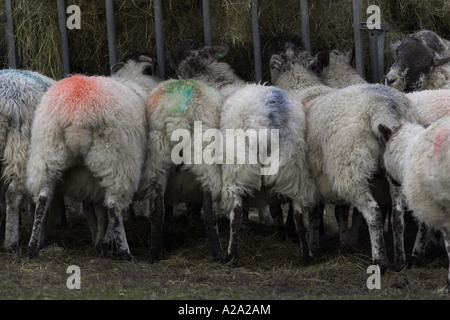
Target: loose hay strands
<point>38,41</point>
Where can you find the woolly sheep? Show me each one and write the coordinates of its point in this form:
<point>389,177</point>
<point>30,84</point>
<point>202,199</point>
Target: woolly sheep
<point>253,107</point>
<point>20,93</point>
<point>178,107</point>
<point>421,62</point>
<point>342,135</point>
<point>429,106</point>
<point>88,141</point>
<point>419,159</point>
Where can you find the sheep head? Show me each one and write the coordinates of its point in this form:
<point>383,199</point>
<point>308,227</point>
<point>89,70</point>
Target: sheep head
<point>136,63</point>
<point>190,59</point>
<point>414,61</point>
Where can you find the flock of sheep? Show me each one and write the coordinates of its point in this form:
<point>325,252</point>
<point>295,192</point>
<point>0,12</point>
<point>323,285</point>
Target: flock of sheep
<point>344,143</point>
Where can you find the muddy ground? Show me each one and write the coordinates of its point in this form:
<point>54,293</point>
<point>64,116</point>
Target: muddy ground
<point>269,268</point>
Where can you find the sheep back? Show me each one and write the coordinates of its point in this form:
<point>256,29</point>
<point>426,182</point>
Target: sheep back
<point>94,119</point>
<point>342,135</point>
<point>177,104</point>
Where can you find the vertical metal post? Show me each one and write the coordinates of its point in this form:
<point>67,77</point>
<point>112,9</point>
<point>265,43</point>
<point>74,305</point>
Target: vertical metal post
<point>256,41</point>
<point>304,14</point>
<point>157,6</point>
<point>376,42</point>
<point>207,22</point>
<point>110,25</point>
<point>63,34</point>
<point>12,57</point>
<point>359,49</point>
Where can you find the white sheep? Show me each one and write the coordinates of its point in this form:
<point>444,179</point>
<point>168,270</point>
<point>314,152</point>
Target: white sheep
<point>429,106</point>
<point>247,109</point>
<point>20,93</point>
<point>421,62</point>
<point>419,159</point>
<point>174,170</point>
<point>88,141</point>
<point>342,135</point>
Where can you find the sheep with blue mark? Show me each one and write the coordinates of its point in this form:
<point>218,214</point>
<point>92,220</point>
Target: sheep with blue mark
<point>88,141</point>
<point>20,93</point>
<point>429,106</point>
<point>173,173</point>
<point>248,108</point>
<point>342,135</point>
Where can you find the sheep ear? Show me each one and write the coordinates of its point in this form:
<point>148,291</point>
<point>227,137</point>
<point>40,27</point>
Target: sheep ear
<point>116,67</point>
<point>183,73</point>
<point>439,61</point>
<point>275,62</point>
<point>218,51</point>
<point>350,56</point>
<point>385,134</point>
<point>320,61</point>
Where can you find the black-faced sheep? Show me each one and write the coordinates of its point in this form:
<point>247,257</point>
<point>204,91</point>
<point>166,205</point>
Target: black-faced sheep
<point>88,141</point>
<point>250,109</point>
<point>421,62</point>
<point>419,159</point>
<point>342,135</point>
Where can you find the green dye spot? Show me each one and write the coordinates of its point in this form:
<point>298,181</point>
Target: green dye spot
<point>182,92</point>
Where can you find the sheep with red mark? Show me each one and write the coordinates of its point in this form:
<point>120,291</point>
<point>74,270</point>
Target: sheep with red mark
<point>249,108</point>
<point>419,159</point>
<point>88,141</point>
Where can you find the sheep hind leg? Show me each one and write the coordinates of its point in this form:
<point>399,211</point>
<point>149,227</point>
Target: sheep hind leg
<point>301,225</point>
<point>372,214</point>
<point>157,223</point>
<point>420,245</point>
<point>41,209</point>
<point>341,213</point>
<point>212,228</point>
<point>235,226</point>
<point>13,202</point>
<point>398,227</point>
<point>120,238</point>
<point>446,234</point>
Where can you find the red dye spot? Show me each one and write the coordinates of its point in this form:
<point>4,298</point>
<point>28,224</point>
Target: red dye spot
<point>154,101</point>
<point>439,141</point>
<point>80,98</point>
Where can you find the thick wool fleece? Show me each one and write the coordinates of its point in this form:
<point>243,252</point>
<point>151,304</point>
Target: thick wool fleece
<point>419,159</point>
<point>94,121</point>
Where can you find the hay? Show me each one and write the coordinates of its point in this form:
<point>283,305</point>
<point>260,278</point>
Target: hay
<point>330,26</point>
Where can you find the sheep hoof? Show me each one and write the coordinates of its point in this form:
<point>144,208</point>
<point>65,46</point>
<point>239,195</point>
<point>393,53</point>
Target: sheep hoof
<point>382,265</point>
<point>32,252</point>
<point>124,256</point>
<point>231,260</point>
<point>155,257</point>
<point>399,265</point>
<point>447,289</point>
<point>416,261</point>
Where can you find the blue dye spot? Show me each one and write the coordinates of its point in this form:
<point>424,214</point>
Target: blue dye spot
<point>40,81</point>
<point>278,104</point>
